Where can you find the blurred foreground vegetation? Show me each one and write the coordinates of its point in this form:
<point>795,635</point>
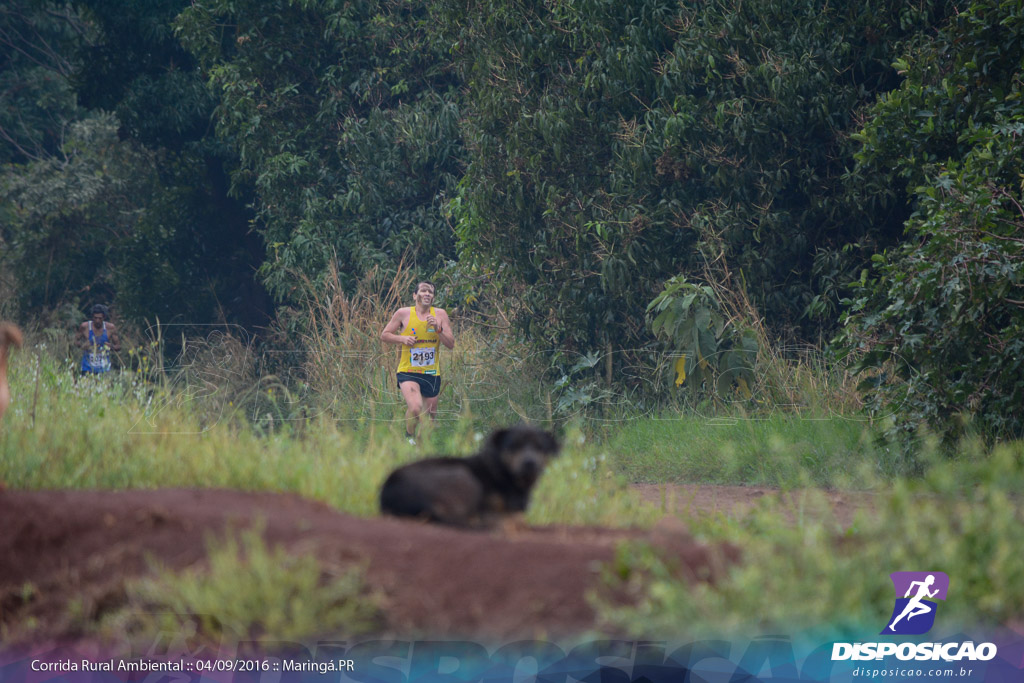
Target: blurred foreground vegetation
<point>813,578</point>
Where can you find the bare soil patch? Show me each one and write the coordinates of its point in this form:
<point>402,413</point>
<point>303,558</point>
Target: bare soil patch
<point>702,500</point>
<point>62,547</point>
<point>517,582</point>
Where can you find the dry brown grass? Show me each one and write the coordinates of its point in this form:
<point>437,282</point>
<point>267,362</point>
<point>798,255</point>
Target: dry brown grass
<point>352,372</point>
<point>789,376</point>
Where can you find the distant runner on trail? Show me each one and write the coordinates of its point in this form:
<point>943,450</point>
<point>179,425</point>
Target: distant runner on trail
<point>915,607</point>
<point>420,330</point>
<point>97,338</point>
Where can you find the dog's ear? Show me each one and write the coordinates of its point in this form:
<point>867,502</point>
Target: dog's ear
<point>551,444</point>
<point>496,440</point>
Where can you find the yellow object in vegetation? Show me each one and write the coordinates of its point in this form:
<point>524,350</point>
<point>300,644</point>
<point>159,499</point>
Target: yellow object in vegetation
<point>681,370</point>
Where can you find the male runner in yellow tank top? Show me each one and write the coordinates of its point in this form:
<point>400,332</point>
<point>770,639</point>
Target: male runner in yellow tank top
<point>423,329</point>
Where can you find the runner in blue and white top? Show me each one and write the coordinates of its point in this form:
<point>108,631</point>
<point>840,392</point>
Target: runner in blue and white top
<point>97,338</point>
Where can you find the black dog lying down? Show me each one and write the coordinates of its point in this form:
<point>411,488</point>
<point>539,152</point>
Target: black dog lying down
<point>472,491</point>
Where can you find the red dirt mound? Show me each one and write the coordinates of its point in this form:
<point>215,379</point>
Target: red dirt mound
<point>519,582</point>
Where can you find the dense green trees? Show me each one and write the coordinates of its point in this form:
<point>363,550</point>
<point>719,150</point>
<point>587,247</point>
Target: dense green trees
<point>944,309</point>
<point>344,117</point>
<point>36,99</point>
<point>616,144</point>
<point>64,211</point>
<point>125,197</point>
<point>581,157</point>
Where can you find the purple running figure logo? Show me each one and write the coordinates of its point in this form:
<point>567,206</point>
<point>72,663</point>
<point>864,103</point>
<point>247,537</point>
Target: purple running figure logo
<point>914,612</point>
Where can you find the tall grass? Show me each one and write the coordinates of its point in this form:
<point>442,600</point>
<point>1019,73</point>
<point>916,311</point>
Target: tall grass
<point>120,431</point>
<point>790,377</point>
<point>327,423</point>
<point>344,362</point>
<point>784,449</point>
<point>350,374</point>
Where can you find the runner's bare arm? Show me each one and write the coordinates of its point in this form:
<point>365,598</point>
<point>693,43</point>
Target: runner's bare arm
<point>82,336</point>
<point>445,328</point>
<point>115,341</point>
<point>390,332</point>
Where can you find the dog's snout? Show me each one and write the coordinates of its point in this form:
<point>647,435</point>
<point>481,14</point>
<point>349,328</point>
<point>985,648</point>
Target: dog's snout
<point>530,465</point>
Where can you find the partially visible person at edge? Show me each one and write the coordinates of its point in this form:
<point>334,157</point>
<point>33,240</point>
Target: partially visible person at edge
<point>10,336</point>
<point>96,338</point>
<point>420,330</point>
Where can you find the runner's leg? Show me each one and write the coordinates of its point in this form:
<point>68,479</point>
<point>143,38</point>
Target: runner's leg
<point>414,406</point>
<point>430,405</point>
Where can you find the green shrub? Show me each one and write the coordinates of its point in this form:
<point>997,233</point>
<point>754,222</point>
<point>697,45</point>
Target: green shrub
<point>717,354</point>
<point>944,311</point>
<point>249,591</point>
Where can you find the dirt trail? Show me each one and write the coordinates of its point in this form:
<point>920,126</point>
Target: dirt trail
<point>696,500</point>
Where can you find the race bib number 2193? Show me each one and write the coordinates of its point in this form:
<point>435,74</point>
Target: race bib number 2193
<point>422,358</point>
